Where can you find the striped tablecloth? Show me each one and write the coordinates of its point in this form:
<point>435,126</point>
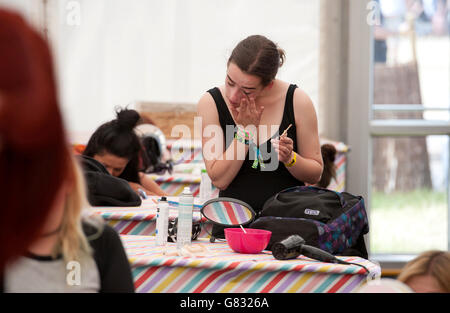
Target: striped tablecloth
<point>188,159</point>
<point>174,184</point>
<point>142,220</point>
<point>185,151</point>
<point>225,271</point>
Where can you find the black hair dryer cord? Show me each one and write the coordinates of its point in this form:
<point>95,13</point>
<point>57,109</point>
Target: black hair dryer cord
<point>293,246</point>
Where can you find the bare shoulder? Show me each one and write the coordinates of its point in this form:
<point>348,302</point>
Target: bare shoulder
<point>207,110</point>
<point>303,105</point>
<point>205,103</point>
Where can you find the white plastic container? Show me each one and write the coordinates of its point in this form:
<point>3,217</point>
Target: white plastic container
<point>205,187</point>
<point>184,227</point>
<point>162,222</point>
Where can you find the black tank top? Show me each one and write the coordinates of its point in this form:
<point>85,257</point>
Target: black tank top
<point>255,185</point>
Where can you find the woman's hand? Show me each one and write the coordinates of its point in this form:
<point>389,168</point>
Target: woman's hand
<point>139,188</point>
<point>283,146</point>
<point>247,112</point>
<point>150,187</point>
<point>136,187</point>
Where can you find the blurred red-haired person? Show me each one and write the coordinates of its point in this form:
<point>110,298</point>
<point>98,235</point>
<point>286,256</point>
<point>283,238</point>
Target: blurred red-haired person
<point>47,243</point>
<point>32,138</point>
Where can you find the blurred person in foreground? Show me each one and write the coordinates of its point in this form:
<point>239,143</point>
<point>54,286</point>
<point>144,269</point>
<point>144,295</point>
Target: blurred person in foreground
<point>73,252</point>
<point>429,272</point>
<point>32,138</point>
<point>44,237</point>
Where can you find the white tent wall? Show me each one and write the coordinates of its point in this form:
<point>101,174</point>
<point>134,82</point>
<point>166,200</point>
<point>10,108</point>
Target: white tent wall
<point>115,52</point>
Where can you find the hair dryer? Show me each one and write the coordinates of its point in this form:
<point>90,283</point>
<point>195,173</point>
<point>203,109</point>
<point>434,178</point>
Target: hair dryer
<point>293,246</point>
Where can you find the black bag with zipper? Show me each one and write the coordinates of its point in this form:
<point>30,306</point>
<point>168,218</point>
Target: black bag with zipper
<point>326,219</point>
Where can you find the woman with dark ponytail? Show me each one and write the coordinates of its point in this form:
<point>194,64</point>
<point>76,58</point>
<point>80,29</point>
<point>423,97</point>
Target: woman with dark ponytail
<point>260,134</point>
<point>329,168</point>
<point>116,145</point>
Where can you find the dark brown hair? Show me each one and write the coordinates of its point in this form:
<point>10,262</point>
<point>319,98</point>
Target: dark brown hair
<point>259,56</point>
<point>329,169</point>
<point>118,138</point>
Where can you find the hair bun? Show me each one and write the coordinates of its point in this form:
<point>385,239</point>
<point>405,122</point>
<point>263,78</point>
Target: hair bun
<point>328,152</point>
<point>127,119</point>
<point>282,55</point>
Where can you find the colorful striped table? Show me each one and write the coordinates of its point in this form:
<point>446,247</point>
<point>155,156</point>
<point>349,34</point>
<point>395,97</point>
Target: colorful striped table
<point>142,220</point>
<point>224,271</point>
<point>174,184</point>
<point>187,157</point>
<point>185,150</point>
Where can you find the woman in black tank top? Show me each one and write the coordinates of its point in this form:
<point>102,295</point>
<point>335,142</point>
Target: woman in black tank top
<point>255,185</point>
<point>241,162</point>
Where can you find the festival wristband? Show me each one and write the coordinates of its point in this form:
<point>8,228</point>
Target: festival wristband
<point>241,138</point>
<point>243,135</point>
<point>292,161</point>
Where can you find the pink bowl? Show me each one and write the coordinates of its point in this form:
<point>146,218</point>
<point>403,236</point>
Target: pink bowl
<point>254,241</point>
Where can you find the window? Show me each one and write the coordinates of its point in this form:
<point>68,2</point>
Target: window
<point>409,127</point>
<point>408,210</point>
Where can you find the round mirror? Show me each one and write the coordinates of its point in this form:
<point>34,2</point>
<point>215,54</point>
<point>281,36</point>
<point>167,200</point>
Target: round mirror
<point>227,212</point>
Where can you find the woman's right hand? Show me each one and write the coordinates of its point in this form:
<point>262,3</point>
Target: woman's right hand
<point>247,113</point>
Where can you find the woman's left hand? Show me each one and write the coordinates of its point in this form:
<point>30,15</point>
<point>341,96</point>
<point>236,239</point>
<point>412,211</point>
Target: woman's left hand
<point>283,146</point>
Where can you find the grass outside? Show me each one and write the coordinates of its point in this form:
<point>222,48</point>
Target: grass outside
<point>408,222</point>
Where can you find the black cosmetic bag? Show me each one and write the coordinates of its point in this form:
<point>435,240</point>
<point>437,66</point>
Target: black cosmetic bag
<point>329,220</point>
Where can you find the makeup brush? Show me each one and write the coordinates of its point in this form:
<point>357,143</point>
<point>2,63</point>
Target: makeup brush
<point>285,131</point>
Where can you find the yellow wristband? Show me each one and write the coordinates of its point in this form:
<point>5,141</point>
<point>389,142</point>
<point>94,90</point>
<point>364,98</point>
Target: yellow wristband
<point>292,161</point>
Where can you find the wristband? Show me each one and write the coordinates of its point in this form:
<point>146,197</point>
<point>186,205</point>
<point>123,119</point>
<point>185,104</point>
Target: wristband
<point>292,161</point>
<point>243,135</point>
<point>241,138</point>
<point>258,158</point>
<point>247,134</point>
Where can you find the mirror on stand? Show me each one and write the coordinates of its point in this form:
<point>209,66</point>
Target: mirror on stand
<point>227,212</point>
